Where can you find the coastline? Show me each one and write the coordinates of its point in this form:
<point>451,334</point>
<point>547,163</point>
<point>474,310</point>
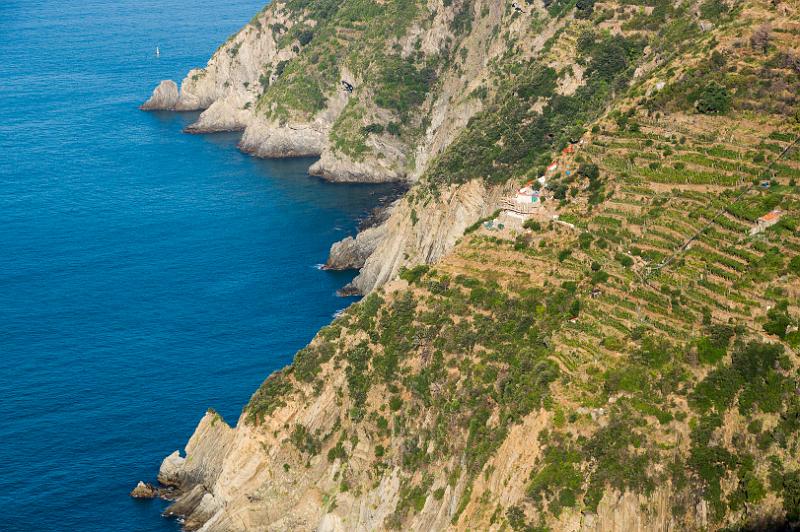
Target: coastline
<point>509,356</point>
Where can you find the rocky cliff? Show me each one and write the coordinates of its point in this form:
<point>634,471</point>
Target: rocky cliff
<point>362,127</point>
<point>367,126</point>
<point>268,81</point>
<point>416,232</point>
<point>626,359</point>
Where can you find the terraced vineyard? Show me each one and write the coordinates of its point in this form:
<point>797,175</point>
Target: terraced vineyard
<point>639,350</point>
<point>669,188</point>
<point>652,318</point>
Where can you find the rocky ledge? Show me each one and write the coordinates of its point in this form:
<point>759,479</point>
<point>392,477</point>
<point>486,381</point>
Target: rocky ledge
<point>351,253</point>
<point>273,141</point>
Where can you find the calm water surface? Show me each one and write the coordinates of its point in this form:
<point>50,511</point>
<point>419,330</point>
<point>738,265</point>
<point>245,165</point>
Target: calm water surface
<point>145,275</point>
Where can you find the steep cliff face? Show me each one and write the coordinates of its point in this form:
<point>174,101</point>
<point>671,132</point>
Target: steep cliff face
<point>376,95</point>
<point>419,232</point>
<point>251,493</point>
<point>231,77</point>
<point>625,360</point>
<point>408,122</point>
<point>312,464</point>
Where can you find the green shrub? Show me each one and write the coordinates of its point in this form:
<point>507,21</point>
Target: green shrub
<point>712,98</point>
<point>269,396</point>
<point>337,452</point>
<point>713,9</point>
<point>560,472</point>
<point>584,9</point>
<point>712,348</point>
<point>794,265</point>
<point>395,403</point>
<point>623,259</point>
<point>536,226</point>
<point>304,441</point>
<point>791,495</point>
<point>308,361</point>
<point>778,320</point>
<point>414,274</point>
<point>599,277</point>
<point>516,519</point>
<point>402,85</point>
<point>589,170</point>
<point>358,379</point>
<point>372,129</point>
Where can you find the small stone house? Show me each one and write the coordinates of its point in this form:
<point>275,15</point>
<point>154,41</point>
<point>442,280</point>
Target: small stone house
<point>768,220</point>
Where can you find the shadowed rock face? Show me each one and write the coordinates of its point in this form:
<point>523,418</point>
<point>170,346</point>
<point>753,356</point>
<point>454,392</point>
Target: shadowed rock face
<point>351,253</point>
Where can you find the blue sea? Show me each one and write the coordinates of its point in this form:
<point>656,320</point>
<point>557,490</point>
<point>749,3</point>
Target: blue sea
<point>145,274</point>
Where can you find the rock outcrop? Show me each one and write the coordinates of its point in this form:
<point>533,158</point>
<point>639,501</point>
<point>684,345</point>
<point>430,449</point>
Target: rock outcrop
<point>204,455</point>
<point>265,139</point>
<point>227,88</point>
<point>414,234</point>
<point>230,91</point>
<point>165,97</point>
<point>170,472</point>
<point>144,491</point>
<point>337,169</point>
<point>253,478</point>
<point>352,253</point>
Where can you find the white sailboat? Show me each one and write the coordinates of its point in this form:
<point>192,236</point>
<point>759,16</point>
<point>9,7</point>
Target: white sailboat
<point>158,52</point>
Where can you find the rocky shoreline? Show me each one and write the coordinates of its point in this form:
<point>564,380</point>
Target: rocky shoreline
<point>386,241</point>
<point>228,92</point>
<point>392,239</point>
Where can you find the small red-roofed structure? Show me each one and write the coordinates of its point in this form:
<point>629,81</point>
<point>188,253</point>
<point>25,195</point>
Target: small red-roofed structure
<point>768,220</point>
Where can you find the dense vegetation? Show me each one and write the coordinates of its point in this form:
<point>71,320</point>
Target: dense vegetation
<point>511,137</point>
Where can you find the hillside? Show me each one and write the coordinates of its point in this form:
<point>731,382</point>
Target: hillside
<point>621,353</point>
